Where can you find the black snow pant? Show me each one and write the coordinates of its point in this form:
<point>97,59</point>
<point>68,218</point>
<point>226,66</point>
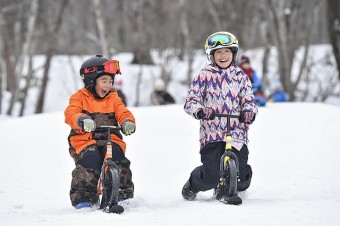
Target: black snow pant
<point>86,174</point>
<point>206,176</point>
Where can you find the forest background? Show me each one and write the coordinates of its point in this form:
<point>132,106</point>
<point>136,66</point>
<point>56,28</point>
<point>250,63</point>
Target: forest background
<point>167,30</point>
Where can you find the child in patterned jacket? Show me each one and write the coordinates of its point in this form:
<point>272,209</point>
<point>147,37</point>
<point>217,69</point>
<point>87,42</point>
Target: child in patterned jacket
<point>220,87</point>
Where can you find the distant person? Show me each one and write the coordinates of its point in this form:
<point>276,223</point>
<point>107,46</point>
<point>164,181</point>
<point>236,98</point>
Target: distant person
<point>278,94</point>
<point>256,82</point>
<point>118,85</point>
<point>160,96</point>
<point>92,106</point>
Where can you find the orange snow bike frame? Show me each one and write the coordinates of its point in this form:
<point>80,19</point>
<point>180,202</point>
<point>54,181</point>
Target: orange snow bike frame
<point>110,172</point>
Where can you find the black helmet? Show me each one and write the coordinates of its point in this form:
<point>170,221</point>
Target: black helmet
<point>91,70</point>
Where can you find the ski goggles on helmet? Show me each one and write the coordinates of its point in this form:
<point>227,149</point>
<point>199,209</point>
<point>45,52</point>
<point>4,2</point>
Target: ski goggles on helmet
<point>110,67</point>
<point>223,39</point>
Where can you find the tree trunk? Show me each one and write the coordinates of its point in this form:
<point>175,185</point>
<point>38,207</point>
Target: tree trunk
<point>1,60</point>
<point>334,29</point>
<point>24,54</point>
<point>266,35</point>
<point>283,50</point>
<point>187,45</point>
<point>214,14</point>
<point>287,16</point>
<point>139,81</point>
<point>266,55</point>
<point>101,27</point>
<point>141,48</point>
<point>281,30</point>
<point>29,77</point>
<point>8,57</point>
<point>53,41</point>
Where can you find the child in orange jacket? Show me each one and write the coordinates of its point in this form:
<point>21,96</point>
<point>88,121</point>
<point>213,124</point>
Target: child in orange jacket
<point>94,105</point>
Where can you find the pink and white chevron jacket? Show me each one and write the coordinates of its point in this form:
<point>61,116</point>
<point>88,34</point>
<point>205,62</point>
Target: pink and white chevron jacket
<point>227,91</point>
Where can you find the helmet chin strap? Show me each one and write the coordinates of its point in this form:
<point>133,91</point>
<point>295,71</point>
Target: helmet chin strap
<point>211,59</point>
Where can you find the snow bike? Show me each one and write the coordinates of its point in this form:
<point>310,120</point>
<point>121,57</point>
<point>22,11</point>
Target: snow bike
<point>226,190</point>
<point>109,180</point>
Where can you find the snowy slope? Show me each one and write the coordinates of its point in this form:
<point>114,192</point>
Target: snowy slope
<point>294,152</point>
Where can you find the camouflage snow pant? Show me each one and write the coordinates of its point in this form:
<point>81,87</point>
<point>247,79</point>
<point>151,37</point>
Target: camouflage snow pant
<point>86,174</point>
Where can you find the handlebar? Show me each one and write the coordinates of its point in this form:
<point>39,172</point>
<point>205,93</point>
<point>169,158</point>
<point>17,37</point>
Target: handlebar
<point>105,128</point>
<point>226,115</point>
<point>108,130</point>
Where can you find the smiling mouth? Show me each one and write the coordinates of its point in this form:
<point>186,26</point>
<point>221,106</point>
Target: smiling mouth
<point>104,92</point>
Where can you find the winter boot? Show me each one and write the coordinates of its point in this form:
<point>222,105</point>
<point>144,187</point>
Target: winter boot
<point>188,192</point>
<point>82,205</point>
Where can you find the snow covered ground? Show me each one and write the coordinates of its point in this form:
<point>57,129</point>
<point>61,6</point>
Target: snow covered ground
<point>294,152</point>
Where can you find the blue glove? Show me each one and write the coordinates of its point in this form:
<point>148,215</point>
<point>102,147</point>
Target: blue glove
<point>86,123</point>
<point>206,114</point>
<point>247,117</point>
<point>128,127</point>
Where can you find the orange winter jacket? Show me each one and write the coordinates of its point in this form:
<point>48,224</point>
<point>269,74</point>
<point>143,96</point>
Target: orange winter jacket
<point>107,111</point>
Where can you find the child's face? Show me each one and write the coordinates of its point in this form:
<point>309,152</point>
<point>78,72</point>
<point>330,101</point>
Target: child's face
<point>103,85</point>
<point>223,57</point>
<point>246,65</point>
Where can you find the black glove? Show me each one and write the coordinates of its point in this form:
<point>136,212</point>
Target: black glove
<point>247,117</point>
<point>206,114</point>
<point>86,123</point>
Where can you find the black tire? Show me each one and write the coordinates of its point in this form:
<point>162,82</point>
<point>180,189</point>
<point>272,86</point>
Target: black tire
<point>115,184</point>
<point>110,188</point>
<point>231,180</point>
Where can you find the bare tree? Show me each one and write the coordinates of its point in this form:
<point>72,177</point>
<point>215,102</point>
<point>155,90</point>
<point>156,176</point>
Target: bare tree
<point>187,44</point>
<point>53,41</point>
<point>122,25</point>
<point>101,27</point>
<point>214,14</point>
<point>150,26</point>
<point>8,45</point>
<point>1,60</point>
<point>319,88</point>
<point>137,23</point>
<point>138,82</point>
<point>334,29</point>
<point>287,15</point>
<point>24,54</point>
<point>24,92</point>
<point>140,36</point>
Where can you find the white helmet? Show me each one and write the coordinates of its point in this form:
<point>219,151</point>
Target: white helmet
<point>220,40</point>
